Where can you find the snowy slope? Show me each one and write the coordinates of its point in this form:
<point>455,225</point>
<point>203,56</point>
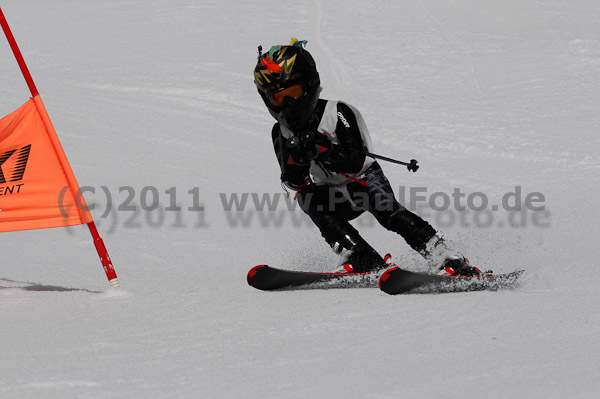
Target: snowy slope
<point>487,95</point>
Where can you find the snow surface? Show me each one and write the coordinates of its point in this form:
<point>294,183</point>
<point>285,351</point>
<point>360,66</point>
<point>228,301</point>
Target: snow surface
<point>487,95</point>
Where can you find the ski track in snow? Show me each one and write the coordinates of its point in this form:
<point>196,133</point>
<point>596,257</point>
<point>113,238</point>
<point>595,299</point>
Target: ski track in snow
<point>486,95</point>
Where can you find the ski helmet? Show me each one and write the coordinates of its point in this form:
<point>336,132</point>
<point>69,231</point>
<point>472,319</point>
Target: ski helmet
<point>288,82</point>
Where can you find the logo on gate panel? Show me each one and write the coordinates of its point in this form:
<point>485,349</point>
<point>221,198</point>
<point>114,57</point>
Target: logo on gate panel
<point>13,164</point>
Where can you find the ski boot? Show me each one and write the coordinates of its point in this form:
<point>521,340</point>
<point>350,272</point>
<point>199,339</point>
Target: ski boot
<point>360,259</point>
<point>444,260</point>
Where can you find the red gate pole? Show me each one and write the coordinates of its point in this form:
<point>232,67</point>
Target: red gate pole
<point>13,45</point>
<point>98,243</point>
<point>103,254</point>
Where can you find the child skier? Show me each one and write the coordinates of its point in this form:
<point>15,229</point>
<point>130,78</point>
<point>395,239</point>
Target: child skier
<point>321,147</point>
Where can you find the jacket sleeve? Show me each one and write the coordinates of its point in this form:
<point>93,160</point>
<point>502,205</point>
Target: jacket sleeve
<point>292,175</point>
<point>349,155</point>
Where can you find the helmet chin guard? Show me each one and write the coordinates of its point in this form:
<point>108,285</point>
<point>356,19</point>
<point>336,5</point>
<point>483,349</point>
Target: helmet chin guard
<point>296,114</point>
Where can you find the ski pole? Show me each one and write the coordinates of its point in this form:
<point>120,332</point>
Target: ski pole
<point>413,165</point>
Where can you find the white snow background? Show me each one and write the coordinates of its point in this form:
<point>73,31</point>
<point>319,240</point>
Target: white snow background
<point>487,95</point>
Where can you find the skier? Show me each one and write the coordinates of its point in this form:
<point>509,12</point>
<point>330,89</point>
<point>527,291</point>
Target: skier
<point>321,147</point>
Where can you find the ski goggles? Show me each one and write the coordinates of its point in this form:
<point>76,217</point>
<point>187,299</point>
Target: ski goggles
<point>277,98</point>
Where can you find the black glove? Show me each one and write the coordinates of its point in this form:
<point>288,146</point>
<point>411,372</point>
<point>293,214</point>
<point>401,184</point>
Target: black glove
<point>310,145</point>
<point>327,152</point>
<point>334,155</point>
<point>295,179</point>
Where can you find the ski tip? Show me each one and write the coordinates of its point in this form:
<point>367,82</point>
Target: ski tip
<point>253,272</point>
<point>386,275</point>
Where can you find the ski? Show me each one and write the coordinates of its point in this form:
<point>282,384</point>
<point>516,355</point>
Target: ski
<point>397,281</point>
<point>269,278</point>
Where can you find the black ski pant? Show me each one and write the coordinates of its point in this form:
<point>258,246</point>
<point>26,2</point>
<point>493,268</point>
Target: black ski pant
<point>332,208</point>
